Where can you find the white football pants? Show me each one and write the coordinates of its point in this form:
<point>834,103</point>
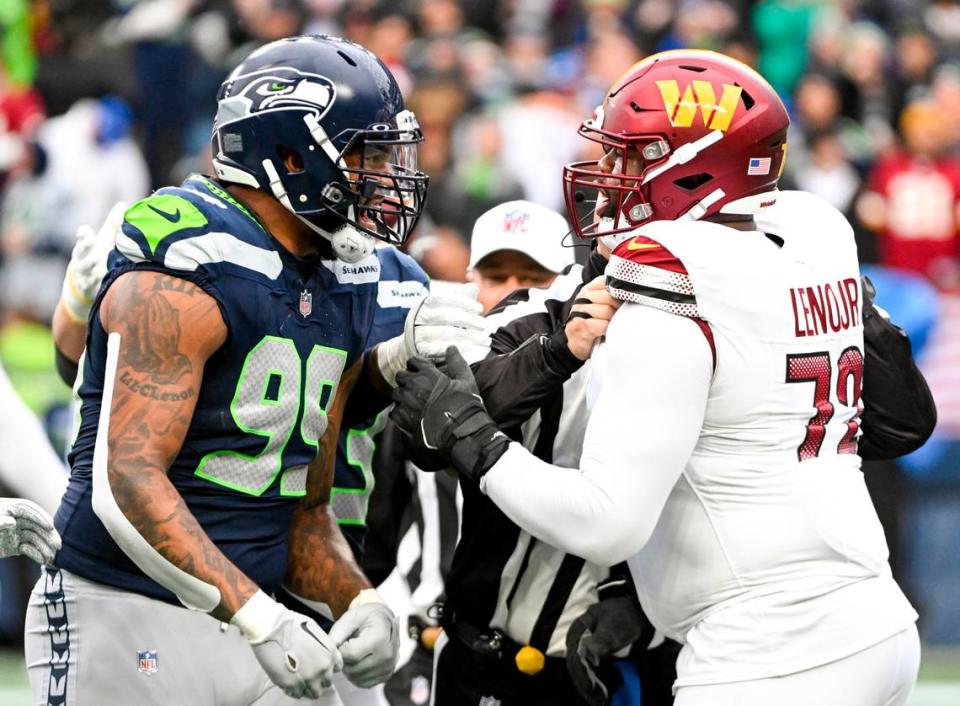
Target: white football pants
<point>87,644</point>
<point>882,675</point>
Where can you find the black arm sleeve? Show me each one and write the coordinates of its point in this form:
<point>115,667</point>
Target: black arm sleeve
<point>388,514</point>
<point>899,413</point>
<point>66,368</point>
<point>365,401</point>
<point>516,381</point>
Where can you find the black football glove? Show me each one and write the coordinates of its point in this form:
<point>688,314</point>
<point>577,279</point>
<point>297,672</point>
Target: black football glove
<point>445,410</point>
<point>605,628</point>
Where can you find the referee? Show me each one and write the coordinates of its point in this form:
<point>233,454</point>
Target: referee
<point>510,599</point>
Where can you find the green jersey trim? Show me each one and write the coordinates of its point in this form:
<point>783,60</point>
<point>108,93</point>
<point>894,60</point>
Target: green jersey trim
<point>225,195</point>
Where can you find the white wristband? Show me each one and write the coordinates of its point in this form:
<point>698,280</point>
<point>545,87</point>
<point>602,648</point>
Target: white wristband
<point>257,616</point>
<point>367,595</point>
<point>392,357</point>
<point>74,302</point>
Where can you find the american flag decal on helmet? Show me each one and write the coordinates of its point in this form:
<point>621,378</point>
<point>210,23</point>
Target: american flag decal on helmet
<point>758,166</point>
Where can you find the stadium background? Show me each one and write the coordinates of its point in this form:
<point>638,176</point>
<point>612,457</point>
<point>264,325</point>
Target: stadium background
<point>103,100</point>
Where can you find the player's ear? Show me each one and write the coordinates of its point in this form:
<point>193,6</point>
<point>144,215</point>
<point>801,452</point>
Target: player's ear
<point>292,161</point>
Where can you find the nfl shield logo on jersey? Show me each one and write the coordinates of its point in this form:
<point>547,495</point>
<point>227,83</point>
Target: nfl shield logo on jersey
<point>148,662</point>
<point>489,701</point>
<point>306,303</point>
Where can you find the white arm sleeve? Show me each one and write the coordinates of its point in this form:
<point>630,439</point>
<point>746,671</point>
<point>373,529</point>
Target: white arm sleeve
<point>641,432</point>
<point>28,464</point>
<point>194,593</point>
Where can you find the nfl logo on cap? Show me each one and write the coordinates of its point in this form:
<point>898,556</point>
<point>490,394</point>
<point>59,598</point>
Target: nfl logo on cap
<point>516,221</point>
<point>148,662</point>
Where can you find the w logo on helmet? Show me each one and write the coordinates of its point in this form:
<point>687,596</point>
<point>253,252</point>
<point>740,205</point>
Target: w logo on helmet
<point>699,94</point>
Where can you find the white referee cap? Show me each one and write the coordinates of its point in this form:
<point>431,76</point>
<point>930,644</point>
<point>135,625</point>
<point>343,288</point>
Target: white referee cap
<point>525,227</point>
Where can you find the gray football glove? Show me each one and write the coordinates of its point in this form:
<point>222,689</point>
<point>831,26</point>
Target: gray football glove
<point>368,639</point>
<point>25,528</point>
<point>433,324</point>
<point>295,652</point>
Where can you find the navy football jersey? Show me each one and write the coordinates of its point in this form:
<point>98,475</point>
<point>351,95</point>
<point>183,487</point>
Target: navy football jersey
<point>294,326</point>
<point>402,284</point>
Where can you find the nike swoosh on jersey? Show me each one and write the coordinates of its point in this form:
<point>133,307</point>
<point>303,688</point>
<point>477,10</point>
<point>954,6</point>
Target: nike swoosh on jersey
<point>633,245</point>
<point>172,217</point>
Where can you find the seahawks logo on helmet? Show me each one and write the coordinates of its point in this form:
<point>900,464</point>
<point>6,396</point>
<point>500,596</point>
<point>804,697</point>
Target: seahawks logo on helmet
<point>276,88</point>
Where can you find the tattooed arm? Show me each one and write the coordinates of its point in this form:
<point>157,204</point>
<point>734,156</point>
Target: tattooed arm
<point>321,565</point>
<point>168,329</point>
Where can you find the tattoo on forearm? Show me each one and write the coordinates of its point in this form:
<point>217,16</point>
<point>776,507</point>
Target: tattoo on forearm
<point>321,564</point>
<point>159,513</point>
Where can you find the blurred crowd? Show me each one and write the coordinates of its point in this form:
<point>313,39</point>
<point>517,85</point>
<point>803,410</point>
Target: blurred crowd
<point>103,100</point>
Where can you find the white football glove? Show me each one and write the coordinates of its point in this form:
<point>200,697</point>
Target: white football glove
<point>368,637</point>
<point>25,528</point>
<point>435,323</point>
<point>295,652</point>
<point>88,264</point>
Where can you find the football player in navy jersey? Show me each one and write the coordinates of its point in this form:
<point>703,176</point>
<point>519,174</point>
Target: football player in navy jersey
<point>222,346</point>
<point>402,286</point>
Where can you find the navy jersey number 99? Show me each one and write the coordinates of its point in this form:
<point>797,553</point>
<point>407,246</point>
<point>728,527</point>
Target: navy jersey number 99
<point>274,385</point>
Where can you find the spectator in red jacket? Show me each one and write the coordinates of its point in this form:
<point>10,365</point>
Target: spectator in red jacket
<point>912,201</point>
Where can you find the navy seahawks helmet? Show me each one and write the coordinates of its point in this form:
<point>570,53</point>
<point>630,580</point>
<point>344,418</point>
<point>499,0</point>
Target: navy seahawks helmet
<point>336,106</point>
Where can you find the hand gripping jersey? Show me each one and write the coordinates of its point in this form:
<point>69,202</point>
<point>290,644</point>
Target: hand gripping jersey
<point>768,557</point>
<point>295,325</point>
<point>402,284</point>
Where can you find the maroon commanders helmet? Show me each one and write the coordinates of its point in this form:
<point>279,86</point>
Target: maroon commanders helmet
<point>685,134</point>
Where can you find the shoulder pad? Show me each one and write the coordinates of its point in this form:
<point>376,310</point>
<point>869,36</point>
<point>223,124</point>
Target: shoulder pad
<point>644,271</point>
<point>399,266</point>
<point>402,281</point>
<point>181,231</point>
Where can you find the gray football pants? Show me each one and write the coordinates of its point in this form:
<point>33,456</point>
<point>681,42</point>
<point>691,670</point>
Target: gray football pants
<point>87,644</point>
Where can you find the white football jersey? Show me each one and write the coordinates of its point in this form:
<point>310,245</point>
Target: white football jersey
<point>768,557</point>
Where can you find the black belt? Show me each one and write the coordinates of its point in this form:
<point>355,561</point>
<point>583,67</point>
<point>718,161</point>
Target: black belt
<point>493,647</point>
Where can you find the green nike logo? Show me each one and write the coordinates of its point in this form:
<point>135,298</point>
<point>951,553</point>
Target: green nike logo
<point>172,217</point>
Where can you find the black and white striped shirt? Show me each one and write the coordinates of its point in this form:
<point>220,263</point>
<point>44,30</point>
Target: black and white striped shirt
<point>535,389</point>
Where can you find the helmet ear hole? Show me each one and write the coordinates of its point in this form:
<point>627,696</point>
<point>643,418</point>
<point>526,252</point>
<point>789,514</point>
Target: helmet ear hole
<point>694,181</point>
<point>291,160</point>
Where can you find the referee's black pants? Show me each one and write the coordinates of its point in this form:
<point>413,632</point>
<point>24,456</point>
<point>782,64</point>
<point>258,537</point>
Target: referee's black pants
<point>464,678</point>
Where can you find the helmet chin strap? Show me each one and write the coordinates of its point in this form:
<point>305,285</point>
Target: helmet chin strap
<point>348,243</point>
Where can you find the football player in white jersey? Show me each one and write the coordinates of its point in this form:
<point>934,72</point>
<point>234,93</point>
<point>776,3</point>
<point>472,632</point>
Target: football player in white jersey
<point>720,456</point>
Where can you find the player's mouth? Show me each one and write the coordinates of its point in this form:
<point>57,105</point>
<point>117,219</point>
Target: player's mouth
<point>601,206</point>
